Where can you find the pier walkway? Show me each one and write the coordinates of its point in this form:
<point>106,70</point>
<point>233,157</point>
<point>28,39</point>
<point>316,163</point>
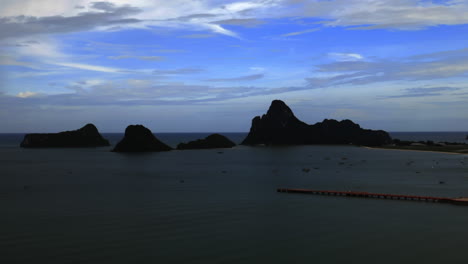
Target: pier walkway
<point>457,201</point>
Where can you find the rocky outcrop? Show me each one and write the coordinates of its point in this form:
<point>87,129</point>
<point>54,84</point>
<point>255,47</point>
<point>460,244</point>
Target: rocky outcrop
<point>279,126</point>
<point>210,142</point>
<point>87,136</point>
<point>140,139</point>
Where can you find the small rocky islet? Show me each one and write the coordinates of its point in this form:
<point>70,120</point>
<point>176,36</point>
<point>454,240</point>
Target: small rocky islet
<point>210,142</point>
<point>279,126</point>
<point>87,136</point>
<point>140,139</point>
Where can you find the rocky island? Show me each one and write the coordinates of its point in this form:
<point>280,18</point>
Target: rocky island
<point>279,126</point>
<point>210,142</point>
<point>87,136</point>
<point>140,139</point>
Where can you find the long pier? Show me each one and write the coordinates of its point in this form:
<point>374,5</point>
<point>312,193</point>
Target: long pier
<point>457,201</point>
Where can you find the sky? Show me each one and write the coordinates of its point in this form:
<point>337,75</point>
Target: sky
<point>212,65</point>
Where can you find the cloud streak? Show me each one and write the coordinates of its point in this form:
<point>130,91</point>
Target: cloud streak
<point>385,14</point>
<point>16,21</point>
<point>146,58</point>
<point>136,93</point>
<point>238,79</point>
<point>300,32</point>
<point>178,71</point>
<point>88,67</point>
<point>22,26</point>
<point>345,56</point>
<point>424,92</point>
<point>433,66</point>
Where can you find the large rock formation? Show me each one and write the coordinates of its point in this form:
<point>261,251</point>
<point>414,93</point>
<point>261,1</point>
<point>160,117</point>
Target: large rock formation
<point>140,139</point>
<point>87,136</point>
<point>212,141</point>
<point>279,126</point>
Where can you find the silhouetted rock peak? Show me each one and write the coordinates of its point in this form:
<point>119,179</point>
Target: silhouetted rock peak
<point>280,126</point>
<point>87,136</point>
<point>210,142</point>
<point>278,109</point>
<point>88,129</point>
<point>140,139</point>
<point>280,115</point>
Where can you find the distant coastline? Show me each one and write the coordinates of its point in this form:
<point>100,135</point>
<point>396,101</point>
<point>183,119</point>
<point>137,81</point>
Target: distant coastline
<point>172,138</point>
<point>452,149</point>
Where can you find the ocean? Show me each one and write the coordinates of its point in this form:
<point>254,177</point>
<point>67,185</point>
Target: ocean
<point>90,205</point>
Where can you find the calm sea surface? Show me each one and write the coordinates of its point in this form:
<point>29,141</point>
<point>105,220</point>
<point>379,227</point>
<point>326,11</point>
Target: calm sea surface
<point>221,206</point>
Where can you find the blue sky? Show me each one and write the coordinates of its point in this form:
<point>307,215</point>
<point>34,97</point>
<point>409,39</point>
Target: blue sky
<point>203,66</point>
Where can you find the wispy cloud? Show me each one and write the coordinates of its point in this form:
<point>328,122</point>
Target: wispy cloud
<point>237,79</point>
<point>300,32</point>
<point>345,56</point>
<point>424,92</point>
<point>146,58</point>
<point>219,29</point>
<point>27,94</point>
<point>88,67</point>
<point>177,71</point>
<point>21,26</point>
<point>245,22</point>
<point>386,14</point>
<point>9,60</point>
<point>50,17</point>
<point>128,92</point>
<point>433,66</point>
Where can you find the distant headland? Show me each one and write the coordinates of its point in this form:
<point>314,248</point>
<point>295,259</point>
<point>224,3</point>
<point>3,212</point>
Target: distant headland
<point>279,126</point>
<point>87,136</point>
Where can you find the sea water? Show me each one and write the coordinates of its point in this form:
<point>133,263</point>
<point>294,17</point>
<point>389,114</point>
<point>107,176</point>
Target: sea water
<point>90,205</point>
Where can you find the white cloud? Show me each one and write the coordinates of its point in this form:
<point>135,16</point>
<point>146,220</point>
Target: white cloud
<point>219,29</point>
<point>40,8</point>
<point>26,17</point>
<point>300,32</point>
<point>44,53</point>
<point>88,67</point>
<point>41,47</point>
<point>241,6</point>
<point>26,94</point>
<point>246,22</point>
<point>345,56</point>
<point>434,66</point>
<point>392,14</point>
<point>147,58</point>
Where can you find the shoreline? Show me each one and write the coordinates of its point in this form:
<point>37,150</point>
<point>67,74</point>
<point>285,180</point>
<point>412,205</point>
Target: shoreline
<point>418,150</point>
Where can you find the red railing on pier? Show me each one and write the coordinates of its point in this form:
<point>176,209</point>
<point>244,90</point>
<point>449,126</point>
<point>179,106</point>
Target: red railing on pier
<point>458,201</point>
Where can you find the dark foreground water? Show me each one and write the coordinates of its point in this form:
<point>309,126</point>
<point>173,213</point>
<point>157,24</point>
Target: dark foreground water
<point>221,206</point>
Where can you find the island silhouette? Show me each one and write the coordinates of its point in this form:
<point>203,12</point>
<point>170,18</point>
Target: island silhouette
<point>87,136</point>
<point>140,139</point>
<point>279,126</point>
